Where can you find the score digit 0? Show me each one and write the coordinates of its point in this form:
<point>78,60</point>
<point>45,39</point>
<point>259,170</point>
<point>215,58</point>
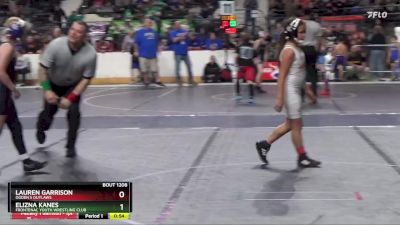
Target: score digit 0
<point>121,194</point>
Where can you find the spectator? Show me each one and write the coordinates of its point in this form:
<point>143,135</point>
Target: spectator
<point>123,2</point>
<point>213,43</point>
<point>164,45</point>
<point>323,51</point>
<point>30,45</point>
<point>128,15</point>
<point>340,55</point>
<point>127,43</point>
<point>105,45</point>
<point>377,56</point>
<point>173,4</point>
<point>46,41</point>
<point>278,31</point>
<point>135,69</point>
<point>15,8</point>
<point>146,41</point>
<point>37,37</point>
<point>356,64</point>
<point>249,5</point>
<point>230,41</point>
<point>329,37</point>
<point>277,8</point>
<point>357,38</point>
<point>338,33</point>
<point>58,14</point>
<point>194,42</point>
<point>99,3</point>
<point>75,16</point>
<point>393,59</point>
<point>22,66</point>
<point>179,37</point>
<point>207,10</point>
<point>202,35</point>
<point>167,37</point>
<point>114,31</point>
<point>247,68</point>
<point>260,46</point>
<point>57,32</point>
<point>212,71</point>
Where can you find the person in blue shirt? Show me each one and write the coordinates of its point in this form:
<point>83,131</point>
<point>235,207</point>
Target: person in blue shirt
<point>179,37</point>
<point>214,43</point>
<point>146,42</point>
<point>194,42</point>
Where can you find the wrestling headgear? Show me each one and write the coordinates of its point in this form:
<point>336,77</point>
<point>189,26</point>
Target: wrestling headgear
<point>292,28</point>
<point>15,27</point>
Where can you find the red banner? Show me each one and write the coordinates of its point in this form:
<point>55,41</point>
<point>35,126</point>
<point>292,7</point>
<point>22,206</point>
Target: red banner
<point>270,71</point>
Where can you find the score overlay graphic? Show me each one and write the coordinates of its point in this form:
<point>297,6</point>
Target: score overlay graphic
<point>66,200</point>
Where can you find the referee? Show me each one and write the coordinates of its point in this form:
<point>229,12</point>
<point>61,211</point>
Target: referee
<point>66,68</point>
<point>310,47</point>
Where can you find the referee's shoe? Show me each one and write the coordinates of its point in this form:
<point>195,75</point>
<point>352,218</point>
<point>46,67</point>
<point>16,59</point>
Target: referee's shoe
<point>40,136</point>
<point>31,165</point>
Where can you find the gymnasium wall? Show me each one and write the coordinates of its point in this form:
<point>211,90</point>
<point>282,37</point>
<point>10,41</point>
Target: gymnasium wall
<point>114,67</point>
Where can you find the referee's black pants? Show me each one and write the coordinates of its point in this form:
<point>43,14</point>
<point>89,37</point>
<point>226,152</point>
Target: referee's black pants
<point>311,55</point>
<point>73,116</point>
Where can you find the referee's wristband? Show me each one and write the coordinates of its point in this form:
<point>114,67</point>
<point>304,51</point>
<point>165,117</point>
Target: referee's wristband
<point>46,85</point>
<point>72,97</point>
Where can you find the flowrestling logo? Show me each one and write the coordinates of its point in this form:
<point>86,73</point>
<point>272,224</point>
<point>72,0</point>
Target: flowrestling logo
<point>377,15</point>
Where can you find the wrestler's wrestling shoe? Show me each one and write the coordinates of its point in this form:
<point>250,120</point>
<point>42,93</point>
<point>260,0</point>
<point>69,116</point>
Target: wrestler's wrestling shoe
<point>305,162</point>
<point>262,150</point>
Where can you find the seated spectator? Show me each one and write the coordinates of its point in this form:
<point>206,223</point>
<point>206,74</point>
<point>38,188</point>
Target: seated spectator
<point>164,46</point>
<point>329,37</point>
<point>325,60</point>
<point>30,45</point>
<point>22,66</point>
<point>213,43</point>
<point>202,36</point>
<point>212,71</point>
<point>195,43</point>
<point>46,42</point>
<point>105,45</point>
<point>230,41</point>
<point>356,64</point>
